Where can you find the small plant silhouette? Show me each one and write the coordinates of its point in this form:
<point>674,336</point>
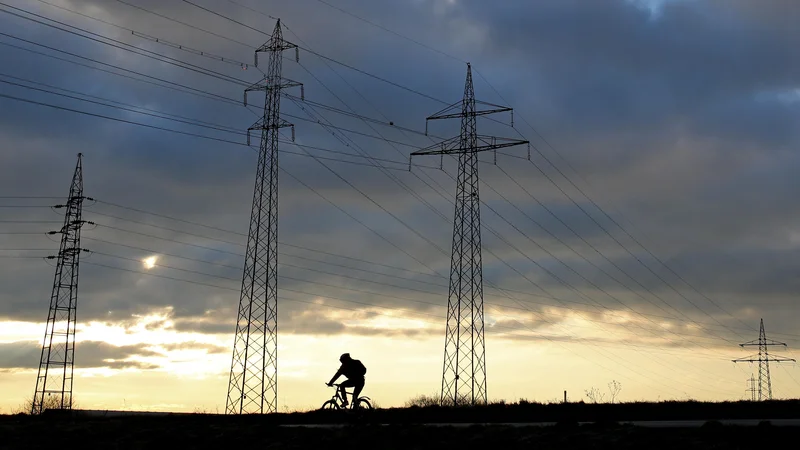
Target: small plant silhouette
<point>594,395</point>
<point>614,388</point>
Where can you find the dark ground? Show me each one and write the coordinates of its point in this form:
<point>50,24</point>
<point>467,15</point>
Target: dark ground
<point>199,431</point>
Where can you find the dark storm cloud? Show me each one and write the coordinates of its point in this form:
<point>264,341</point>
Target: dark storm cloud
<point>683,120</point>
<point>25,355</point>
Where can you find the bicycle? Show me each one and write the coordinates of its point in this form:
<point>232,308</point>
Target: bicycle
<point>337,402</point>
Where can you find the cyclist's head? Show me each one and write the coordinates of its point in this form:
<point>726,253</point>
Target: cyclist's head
<point>345,357</point>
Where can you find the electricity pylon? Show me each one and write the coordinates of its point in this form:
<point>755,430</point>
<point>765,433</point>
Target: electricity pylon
<point>57,359</point>
<point>751,388</point>
<point>253,383</point>
<point>464,368</point>
<point>763,358</point>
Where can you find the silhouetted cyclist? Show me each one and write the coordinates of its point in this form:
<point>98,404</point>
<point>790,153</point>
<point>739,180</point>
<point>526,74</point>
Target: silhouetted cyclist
<point>354,371</point>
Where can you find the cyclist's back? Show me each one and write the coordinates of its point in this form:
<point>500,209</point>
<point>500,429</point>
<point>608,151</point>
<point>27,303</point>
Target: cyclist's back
<point>353,369</point>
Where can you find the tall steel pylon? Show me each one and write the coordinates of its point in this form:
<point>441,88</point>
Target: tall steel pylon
<point>253,384</point>
<point>464,369</point>
<point>763,359</point>
<point>57,360</point>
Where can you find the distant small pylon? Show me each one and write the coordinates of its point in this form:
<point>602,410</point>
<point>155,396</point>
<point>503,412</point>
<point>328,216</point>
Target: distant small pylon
<point>751,388</point>
<point>763,358</point>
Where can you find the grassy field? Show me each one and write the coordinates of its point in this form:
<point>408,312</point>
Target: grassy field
<point>219,432</point>
<point>403,429</point>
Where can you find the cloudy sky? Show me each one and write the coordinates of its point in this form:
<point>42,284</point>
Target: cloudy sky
<point>652,227</point>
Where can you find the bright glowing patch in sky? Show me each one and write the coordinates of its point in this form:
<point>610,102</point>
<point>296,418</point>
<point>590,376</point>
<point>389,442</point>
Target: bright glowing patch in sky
<point>150,262</point>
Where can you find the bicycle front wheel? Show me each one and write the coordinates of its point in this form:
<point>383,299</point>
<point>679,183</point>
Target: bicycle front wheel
<point>330,404</point>
<point>363,404</point>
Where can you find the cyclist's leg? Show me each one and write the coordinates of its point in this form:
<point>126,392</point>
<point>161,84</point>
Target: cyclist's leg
<point>358,385</point>
<point>342,386</point>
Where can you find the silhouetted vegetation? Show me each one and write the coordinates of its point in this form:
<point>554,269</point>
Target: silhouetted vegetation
<point>49,403</point>
<point>191,431</point>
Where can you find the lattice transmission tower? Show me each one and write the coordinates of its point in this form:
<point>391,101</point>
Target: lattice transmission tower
<point>763,359</point>
<point>464,368</point>
<point>57,360</point>
<point>751,388</point>
<point>253,384</point>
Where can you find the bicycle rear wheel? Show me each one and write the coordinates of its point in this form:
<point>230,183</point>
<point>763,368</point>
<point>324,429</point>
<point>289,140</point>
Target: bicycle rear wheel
<point>363,404</point>
<point>330,404</point>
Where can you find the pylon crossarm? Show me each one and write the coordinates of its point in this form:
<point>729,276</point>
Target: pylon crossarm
<point>444,111</point>
<point>265,85</point>
<point>259,125</point>
<point>458,115</point>
<point>504,108</point>
<point>455,110</point>
<point>276,47</point>
<point>493,140</point>
<point>453,146</point>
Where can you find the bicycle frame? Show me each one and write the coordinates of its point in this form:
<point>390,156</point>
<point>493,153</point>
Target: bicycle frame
<point>337,396</point>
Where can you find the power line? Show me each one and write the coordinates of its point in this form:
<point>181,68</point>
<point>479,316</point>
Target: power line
<point>113,73</point>
<point>371,263</point>
<point>228,266</point>
<point>26,197</point>
<point>189,122</point>
<point>153,38</point>
<point>29,221</point>
<point>186,24</point>
<point>185,89</point>
<point>363,72</point>
<point>389,31</point>
<point>198,123</point>
<point>138,51</point>
<point>185,133</point>
<point>650,291</point>
<point>102,63</point>
<point>119,120</point>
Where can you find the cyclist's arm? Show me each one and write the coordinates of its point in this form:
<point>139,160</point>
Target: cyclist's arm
<point>338,374</point>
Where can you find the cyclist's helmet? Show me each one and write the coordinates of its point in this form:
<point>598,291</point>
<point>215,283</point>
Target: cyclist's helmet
<point>344,357</point>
